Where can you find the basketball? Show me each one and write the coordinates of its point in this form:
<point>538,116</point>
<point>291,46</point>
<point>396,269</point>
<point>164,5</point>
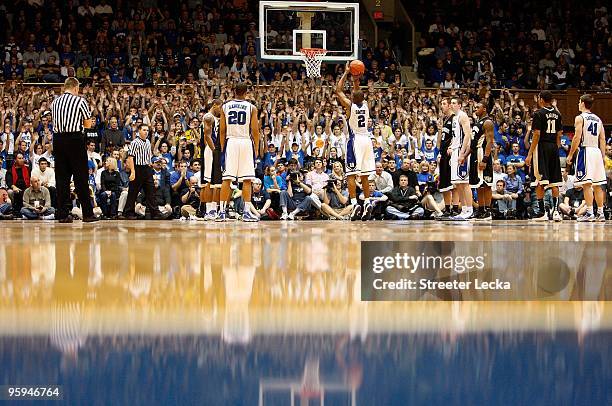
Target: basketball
<point>357,67</point>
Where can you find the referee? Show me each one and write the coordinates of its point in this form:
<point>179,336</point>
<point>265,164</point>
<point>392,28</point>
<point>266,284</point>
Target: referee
<point>141,175</point>
<point>70,115</point>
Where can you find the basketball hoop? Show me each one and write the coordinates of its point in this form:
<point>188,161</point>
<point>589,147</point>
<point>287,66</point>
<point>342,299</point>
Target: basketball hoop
<point>312,59</point>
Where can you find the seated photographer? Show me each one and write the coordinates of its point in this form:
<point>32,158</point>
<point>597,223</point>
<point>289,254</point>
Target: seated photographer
<point>504,201</point>
<point>298,197</point>
<point>336,203</point>
<point>378,200</point>
<point>573,204</point>
<point>427,187</point>
<point>260,202</point>
<point>191,199</point>
<point>404,202</point>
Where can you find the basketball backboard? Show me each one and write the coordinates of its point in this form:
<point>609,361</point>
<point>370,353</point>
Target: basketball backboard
<point>285,27</point>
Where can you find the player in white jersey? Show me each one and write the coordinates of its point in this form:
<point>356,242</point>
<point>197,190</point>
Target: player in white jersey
<point>590,142</point>
<point>239,133</point>
<point>211,174</point>
<point>460,164</point>
<point>359,152</point>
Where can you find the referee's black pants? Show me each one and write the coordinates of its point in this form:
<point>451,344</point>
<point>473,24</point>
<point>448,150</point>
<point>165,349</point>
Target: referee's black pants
<point>143,180</point>
<point>71,161</point>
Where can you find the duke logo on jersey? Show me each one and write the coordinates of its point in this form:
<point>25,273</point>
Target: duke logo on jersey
<point>359,151</point>
<point>239,153</point>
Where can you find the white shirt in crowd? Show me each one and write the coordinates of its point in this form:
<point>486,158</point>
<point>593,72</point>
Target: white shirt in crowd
<point>318,181</point>
<point>94,156</point>
<point>35,158</point>
<point>8,141</point>
<point>498,176</point>
<point>317,141</point>
<point>47,177</point>
<point>450,84</point>
<point>339,143</point>
<point>383,182</point>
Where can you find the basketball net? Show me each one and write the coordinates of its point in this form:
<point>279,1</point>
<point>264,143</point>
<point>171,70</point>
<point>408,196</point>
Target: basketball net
<point>312,59</point>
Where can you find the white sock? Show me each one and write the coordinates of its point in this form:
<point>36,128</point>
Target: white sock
<point>213,206</point>
<point>589,210</point>
<point>208,207</point>
<point>294,212</point>
<point>600,210</point>
<point>222,207</point>
<point>354,201</point>
<point>247,206</point>
<point>284,209</point>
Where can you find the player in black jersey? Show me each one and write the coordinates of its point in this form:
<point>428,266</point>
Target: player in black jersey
<point>444,141</point>
<point>211,174</point>
<point>543,157</point>
<point>481,163</point>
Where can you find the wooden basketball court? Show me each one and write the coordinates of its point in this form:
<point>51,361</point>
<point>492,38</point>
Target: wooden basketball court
<point>244,279</point>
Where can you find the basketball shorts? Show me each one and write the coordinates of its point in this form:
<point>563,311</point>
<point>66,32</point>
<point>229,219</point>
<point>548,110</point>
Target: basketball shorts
<point>238,159</point>
<point>360,156</point>
<point>545,165</point>
<point>444,180</point>
<point>480,178</point>
<point>589,167</point>
<point>211,167</point>
<point>459,173</point>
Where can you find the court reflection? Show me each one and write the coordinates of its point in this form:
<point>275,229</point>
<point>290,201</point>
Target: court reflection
<point>241,282</point>
<point>218,314</point>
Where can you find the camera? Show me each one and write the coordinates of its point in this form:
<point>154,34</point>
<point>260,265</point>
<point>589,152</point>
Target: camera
<point>293,176</point>
<point>330,185</point>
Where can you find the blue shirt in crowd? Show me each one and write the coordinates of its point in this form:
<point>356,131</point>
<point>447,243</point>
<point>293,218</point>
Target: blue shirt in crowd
<point>514,185</point>
<point>565,142</point>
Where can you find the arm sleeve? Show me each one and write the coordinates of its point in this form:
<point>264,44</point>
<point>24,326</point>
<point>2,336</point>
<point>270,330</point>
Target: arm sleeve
<point>84,109</point>
<point>132,149</point>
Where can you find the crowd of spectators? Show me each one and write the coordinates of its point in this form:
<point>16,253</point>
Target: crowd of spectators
<point>171,61</point>
<point>514,44</point>
<point>129,42</point>
<point>302,149</point>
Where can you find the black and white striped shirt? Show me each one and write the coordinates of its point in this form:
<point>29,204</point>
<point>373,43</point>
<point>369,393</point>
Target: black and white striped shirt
<point>141,151</point>
<point>68,112</point>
